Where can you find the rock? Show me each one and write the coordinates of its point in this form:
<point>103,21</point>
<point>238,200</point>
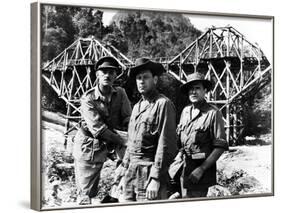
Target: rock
<point>248,182</point>
<point>248,185</point>
<point>218,191</point>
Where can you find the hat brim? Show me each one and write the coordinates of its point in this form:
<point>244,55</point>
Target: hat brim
<point>206,83</point>
<point>155,68</point>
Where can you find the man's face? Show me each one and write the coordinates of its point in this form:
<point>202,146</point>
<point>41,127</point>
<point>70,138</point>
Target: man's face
<point>106,77</point>
<point>145,81</point>
<point>196,92</point>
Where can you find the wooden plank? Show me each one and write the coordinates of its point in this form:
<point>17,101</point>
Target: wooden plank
<point>221,85</point>
<point>204,46</point>
<point>267,70</point>
<point>231,76</point>
<point>188,54</point>
<point>217,83</point>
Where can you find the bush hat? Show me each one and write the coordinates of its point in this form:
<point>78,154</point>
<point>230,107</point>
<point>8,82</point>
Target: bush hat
<point>145,63</point>
<point>194,77</point>
<point>108,62</point>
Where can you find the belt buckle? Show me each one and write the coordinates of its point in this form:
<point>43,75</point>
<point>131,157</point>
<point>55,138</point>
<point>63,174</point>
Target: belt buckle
<point>198,156</point>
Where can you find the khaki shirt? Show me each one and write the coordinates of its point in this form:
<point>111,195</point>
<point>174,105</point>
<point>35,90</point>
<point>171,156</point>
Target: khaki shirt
<point>152,134</point>
<point>203,132</point>
<point>199,136</point>
<point>98,114</point>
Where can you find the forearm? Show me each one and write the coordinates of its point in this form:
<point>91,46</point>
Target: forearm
<point>212,158</point>
<point>111,137</point>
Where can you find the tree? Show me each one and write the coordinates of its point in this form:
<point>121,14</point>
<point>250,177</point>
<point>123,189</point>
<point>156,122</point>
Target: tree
<point>114,37</point>
<point>89,22</point>
<point>153,34</point>
<point>58,30</point>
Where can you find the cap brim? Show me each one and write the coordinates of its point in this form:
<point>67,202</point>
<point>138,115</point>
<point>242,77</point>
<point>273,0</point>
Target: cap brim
<point>118,70</point>
<point>108,67</point>
<point>101,60</point>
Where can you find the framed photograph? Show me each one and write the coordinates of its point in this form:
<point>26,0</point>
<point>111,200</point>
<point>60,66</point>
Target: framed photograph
<point>140,106</point>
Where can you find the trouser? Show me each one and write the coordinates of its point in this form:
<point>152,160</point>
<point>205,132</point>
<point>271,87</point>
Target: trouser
<point>141,196</point>
<point>196,193</point>
<point>136,182</point>
<point>87,176</point>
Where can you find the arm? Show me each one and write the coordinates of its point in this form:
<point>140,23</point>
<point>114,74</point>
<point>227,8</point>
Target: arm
<point>197,173</point>
<point>166,149</point>
<point>182,121</point>
<point>111,137</point>
<point>219,144</point>
<point>126,110</point>
<point>92,116</point>
<point>126,158</point>
<point>219,141</point>
<point>95,122</point>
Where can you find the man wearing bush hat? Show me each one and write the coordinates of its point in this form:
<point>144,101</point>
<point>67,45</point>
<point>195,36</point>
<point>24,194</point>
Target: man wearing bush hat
<point>104,108</point>
<point>202,138</point>
<point>151,137</point>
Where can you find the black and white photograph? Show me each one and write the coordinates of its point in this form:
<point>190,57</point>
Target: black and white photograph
<point>142,106</point>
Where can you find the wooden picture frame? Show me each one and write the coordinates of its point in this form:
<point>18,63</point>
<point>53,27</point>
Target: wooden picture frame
<point>63,67</point>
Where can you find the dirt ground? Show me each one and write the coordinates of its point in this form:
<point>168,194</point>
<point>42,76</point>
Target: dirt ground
<point>241,170</point>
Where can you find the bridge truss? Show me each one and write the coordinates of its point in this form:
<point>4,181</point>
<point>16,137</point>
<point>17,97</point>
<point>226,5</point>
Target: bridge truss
<point>72,73</point>
<point>237,68</point>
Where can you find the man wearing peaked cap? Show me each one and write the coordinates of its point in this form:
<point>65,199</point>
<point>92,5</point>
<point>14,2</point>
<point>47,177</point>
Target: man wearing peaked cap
<point>108,62</point>
<point>202,137</point>
<point>104,109</point>
<point>151,137</point>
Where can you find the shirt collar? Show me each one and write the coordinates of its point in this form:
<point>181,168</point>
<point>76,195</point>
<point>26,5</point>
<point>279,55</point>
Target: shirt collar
<point>152,96</point>
<point>99,95</point>
<point>202,106</point>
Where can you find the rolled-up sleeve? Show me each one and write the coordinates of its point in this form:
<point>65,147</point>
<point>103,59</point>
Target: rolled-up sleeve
<point>218,131</point>
<point>92,117</point>
<point>167,144</point>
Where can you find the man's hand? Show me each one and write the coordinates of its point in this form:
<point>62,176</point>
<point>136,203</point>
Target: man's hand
<point>152,189</point>
<point>196,175</point>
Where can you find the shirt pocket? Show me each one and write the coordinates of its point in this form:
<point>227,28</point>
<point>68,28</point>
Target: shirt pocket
<point>202,135</point>
<point>202,139</point>
<point>147,135</point>
<point>146,128</point>
<point>86,149</point>
<point>93,150</point>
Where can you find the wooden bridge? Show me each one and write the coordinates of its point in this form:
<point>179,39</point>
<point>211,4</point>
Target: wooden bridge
<point>237,68</point>
<point>71,73</point>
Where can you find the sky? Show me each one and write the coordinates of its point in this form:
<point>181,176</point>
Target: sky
<point>257,31</point>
